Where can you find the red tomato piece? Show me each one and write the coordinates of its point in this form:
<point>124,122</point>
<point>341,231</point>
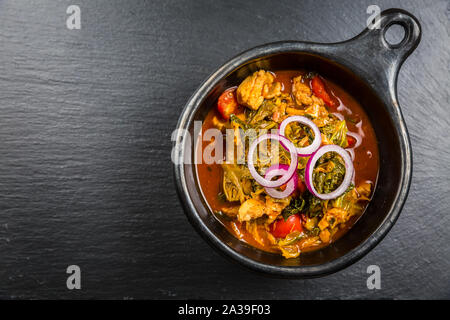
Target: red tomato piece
<point>351,141</point>
<point>320,90</point>
<point>227,103</point>
<point>301,186</point>
<point>281,228</point>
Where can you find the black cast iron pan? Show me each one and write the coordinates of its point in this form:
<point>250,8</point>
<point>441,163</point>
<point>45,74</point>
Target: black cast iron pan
<point>365,66</point>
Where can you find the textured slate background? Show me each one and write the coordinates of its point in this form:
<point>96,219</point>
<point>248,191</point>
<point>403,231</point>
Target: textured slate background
<point>85,123</point>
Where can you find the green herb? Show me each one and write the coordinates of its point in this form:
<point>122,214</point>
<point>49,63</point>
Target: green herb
<point>336,132</point>
<point>265,110</point>
<point>266,125</point>
<point>326,182</point>
<point>297,131</point>
<point>295,206</point>
<point>235,182</point>
<point>315,231</point>
<point>305,203</point>
<point>291,238</point>
<point>239,122</point>
<point>314,208</point>
<point>342,201</point>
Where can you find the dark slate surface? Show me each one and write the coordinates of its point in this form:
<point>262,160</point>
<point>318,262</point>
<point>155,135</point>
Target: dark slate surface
<point>85,173</point>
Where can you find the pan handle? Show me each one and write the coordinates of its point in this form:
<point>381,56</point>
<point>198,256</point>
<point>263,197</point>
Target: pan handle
<point>374,54</point>
<point>411,38</point>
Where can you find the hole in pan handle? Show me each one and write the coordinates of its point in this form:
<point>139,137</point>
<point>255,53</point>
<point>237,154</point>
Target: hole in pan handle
<point>372,44</point>
<point>391,56</point>
<point>410,25</point>
<point>373,57</point>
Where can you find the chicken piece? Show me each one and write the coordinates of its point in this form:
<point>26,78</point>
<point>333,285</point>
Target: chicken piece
<point>255,208</point>
<point>258,232</point>
<point>310,223</point>
<point>255,88</point>
<point>291,251</point>
<point>316,109</point>
<point>274,207</point>
<point>325,236</point>
<point>302,92</point>
<point>231,212</point>
<point>295,112</point>
<point>323,224</point>
<point>272,91</point>
<point>318,101</point>
<point>251,209</point>
<point>235,182</point>
<point>308,242</point>
<point>294,250</point>
<point>333,217</point>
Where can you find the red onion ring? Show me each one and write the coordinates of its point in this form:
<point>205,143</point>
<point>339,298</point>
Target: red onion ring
<point>351,152</point>
<point>310,168</point>
<point>306,151</point>
<point>289,173</point>
<point>277,170</point>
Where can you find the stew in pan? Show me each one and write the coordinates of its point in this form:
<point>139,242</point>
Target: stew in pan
<point>301,166</point>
